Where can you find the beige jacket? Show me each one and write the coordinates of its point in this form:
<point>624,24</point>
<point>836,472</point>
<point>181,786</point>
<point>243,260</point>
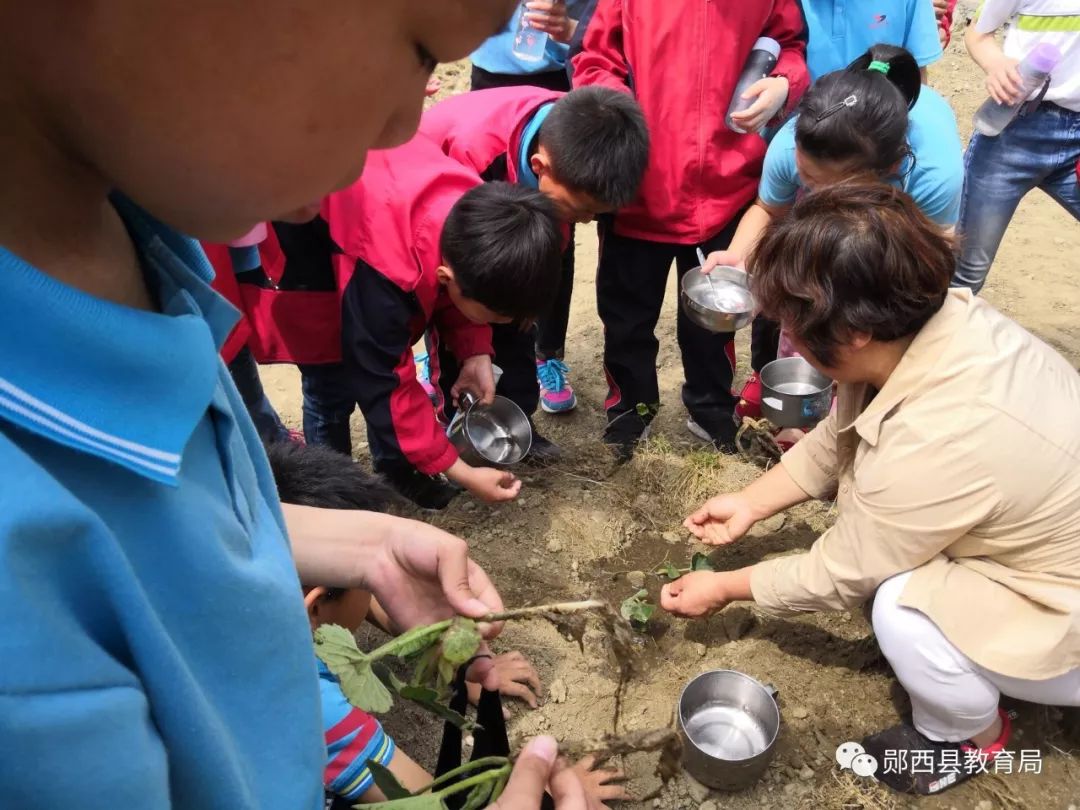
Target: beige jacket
<point>965,468</point>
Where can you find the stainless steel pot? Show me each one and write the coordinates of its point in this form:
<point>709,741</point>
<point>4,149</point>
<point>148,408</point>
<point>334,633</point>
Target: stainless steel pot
<point>719,301</point>
<point>794,394</point>
<point>729,723</point>
<point>497,435</point>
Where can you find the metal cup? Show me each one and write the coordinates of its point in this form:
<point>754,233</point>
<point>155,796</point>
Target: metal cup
<point>794,394</point>
<point>496,435</point>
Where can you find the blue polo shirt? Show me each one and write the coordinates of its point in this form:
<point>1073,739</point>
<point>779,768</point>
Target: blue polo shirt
<point>155,652</point>
<point>935,180</point>
<point>838,31</point>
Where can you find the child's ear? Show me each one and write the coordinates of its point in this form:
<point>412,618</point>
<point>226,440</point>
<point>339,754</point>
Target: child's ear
<point>444,274</point>
<point>311,601</point>
<point>540,163</point>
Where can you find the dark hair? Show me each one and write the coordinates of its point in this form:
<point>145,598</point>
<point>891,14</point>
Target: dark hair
<point>871,134</point>
<point>504,244</point>
<point>598,143</point>
<point>853,257</point>
<point>310,475</point>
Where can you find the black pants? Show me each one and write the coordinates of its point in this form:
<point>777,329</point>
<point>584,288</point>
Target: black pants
<point>764,342</point>
<point>551,331</point>
<point>514,355</point>
<point>630,283</point>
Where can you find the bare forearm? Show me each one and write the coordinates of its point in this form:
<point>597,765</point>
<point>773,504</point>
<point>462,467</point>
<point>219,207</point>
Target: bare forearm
<point>330,546</point>
<point>750,227</point>
<point>983,48</point>
<point>774,492</point>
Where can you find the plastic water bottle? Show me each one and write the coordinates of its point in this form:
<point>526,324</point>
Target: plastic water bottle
<point>991,118</point>
<point>758,66</point>
<point>529,44</point>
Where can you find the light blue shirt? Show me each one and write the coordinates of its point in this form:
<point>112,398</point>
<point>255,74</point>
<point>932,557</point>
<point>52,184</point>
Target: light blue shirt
<point>496,54</point>
<point>935,181</point>
<point>839,31</point>
<point>155,652</point>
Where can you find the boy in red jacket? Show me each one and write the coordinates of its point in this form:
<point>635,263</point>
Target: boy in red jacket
<point>587,151</point>
<point>425,244</point>
<point>701,176</point>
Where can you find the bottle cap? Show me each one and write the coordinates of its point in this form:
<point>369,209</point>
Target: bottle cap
<point>1044,57</point>
<point>768,44</point>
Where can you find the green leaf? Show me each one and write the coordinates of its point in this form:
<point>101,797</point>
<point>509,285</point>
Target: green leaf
<point>389,679</point>
<point>336,646</point>
<point>670,571</point>
<point>637,609</point>
<point>479,795</point>
<point>425,801</point>
<point>425,669</point>
<point>414,641</point>
<point>429,700</point>
<point>700,562</point>
<point>387,782</point>
<point>642,409</point>
<point>460,641</point>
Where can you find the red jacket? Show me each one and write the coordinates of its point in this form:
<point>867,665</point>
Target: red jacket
<point>482,130</point>
<point>681,59</point>
<point>388,226</point>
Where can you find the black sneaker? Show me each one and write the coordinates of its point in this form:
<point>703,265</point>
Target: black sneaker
<point>722,438</point>
<point>426,491</point>
<point>543,451</point>
<point>623,433</point>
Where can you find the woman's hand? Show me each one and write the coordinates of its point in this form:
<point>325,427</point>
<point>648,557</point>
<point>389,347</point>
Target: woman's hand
<point>1003,81</point>
<point>771,94</point>
<point>517,679</point>
<point>722,520</point>
<point>699,593</point>
<point>550,17</point>
<point>477,376</point>
<point>728,258</point>
<point>536,769</point>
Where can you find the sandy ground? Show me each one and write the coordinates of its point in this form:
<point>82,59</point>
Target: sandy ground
<point>580,527</point>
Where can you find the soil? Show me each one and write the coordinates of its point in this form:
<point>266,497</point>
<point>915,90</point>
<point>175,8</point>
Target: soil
<point>581,527</point>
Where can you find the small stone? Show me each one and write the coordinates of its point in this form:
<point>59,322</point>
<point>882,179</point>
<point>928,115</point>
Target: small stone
<point>790,788</point>
<point>469,506</point>
<point>806,773</point>
<point>671,537</point>
<point>521,501</point>
<point>534,562</point>
<point>656,803</point>
<point>700,649</point>
<point>800,713</point>
<point>636,578</point>
<point>985,804</point>
<point>709,805</point>
<point>1059,242</point>
<point>554,545</point>
<point>558,691</point>
<point>698,791</point>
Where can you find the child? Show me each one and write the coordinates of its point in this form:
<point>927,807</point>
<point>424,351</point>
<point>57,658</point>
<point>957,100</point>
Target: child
<point>875,136</point>
<point>586,150</point>
<point>1040,148</point>
<point>701,176</point>
<point>426,244</point>
<point>152,614</point>
<point>838,32</point>
<point>321,477</point>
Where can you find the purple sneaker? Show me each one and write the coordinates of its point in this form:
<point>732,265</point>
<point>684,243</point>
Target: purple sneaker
<point>556,395</point>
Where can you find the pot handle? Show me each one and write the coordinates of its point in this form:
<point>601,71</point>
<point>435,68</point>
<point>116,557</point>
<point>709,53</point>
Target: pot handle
<point>772,690</point>
<point>467,400</point>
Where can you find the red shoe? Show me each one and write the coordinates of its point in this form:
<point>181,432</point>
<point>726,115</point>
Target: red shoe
<point>749,403</point>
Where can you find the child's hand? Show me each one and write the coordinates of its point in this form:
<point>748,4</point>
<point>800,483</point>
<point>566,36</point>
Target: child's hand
<point>550,16</point>
<point>517,679</point>
<point>1003,81</point>
<point>722,520</point>
<point>728,258</point>
<point>433,86</point>
<point>537,767</point>
<point>477,376</point>
<point>492,485</point>
<point>771,94</point>
<point>598,783</point>
<point>696,594</point>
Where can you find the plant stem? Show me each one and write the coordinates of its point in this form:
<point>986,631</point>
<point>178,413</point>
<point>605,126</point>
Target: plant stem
<point>538,610</point>
<point>483,762</point>
<point>467,784</point>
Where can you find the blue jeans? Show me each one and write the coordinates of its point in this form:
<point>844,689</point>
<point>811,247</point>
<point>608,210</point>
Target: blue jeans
<point>245,373</point>
<point>328,405</point>
<point>1039,150</point>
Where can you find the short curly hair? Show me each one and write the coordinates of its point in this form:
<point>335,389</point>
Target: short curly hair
<point>853,258</point>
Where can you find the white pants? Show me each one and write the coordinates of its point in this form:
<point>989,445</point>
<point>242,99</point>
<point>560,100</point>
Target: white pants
<point>952,697</point>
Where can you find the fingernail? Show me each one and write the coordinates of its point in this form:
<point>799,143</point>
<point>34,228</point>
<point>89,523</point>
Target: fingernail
<point>545,747</point>
<point>477,608</point>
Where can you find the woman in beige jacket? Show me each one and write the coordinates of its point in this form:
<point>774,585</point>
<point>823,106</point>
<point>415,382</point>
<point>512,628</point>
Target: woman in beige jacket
<point>954,457</point>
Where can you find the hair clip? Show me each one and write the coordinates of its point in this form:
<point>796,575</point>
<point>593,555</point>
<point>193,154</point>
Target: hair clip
<point>850,101</point>
<point>880,67</point>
